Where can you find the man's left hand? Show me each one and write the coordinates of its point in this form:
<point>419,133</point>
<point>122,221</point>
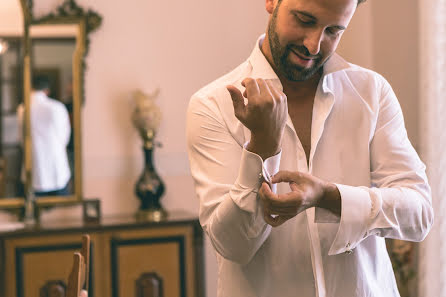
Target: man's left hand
<point>306,191</point>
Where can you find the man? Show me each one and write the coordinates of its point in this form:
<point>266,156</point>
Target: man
<point>302,164</point>
<point>50,134</point>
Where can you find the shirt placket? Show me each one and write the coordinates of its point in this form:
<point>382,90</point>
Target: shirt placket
<point>313,233</point>
<point>316,255</point>
<point>322,108</point>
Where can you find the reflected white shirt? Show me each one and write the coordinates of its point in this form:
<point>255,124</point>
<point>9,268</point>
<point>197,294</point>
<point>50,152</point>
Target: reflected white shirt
<point>358,141</point>
<point>50,134</point>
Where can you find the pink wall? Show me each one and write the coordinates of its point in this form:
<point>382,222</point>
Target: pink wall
<point>180,46</point>
<point>11,18</point>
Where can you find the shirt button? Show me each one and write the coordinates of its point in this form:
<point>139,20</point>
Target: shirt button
<point>349,250</point>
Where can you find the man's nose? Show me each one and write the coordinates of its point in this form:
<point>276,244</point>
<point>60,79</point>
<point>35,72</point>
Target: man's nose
<point>313,41</point>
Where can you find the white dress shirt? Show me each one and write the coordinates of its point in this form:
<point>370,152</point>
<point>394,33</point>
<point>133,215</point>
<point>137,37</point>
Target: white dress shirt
<point>50,134</point>
<point>358,141</point>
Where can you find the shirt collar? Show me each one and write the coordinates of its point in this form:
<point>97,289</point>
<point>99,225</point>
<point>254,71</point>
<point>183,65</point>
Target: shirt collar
<point>260,65</point>
<point>39,95</point>
<point>262,68</point>
<point>334,64</point>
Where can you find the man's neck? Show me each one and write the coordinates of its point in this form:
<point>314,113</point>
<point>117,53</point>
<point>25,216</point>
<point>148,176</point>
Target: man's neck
<point>300,89</point>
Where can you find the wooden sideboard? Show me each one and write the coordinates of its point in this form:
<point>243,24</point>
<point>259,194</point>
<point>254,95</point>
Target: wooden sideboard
<point>128,257</point>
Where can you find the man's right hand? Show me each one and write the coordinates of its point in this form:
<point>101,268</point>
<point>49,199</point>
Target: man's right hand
<point>264,115</point>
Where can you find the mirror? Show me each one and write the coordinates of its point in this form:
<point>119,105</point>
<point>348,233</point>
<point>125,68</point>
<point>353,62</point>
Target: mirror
<point>58,47</point>
<point>13,15</point>
<point>53,47</point>
<point>55,121</point>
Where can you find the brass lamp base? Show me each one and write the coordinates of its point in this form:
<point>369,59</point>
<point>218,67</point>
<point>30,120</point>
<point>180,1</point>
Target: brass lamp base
<point>151,215</point>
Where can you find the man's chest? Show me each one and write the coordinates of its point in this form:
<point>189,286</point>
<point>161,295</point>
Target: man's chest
<point>301,115</point>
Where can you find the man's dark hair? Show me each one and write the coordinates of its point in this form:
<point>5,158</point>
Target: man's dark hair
<point>40,82</point>
<point>359,1</point>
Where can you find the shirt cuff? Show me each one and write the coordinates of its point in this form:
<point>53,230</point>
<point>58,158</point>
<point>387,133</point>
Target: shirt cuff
<point>252,172</point>
<point>270,168</point>
<point>356,210</point>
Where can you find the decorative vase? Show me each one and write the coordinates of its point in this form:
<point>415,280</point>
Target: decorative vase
<point>149,188</point>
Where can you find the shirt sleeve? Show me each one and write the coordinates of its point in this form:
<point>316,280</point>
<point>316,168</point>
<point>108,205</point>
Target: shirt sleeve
<point>227,178</point>
<point>62,124</point>
<point>398,204</point>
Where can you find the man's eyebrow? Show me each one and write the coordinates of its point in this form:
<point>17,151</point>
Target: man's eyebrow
<point>342,28</point>
<point>312,17</point>
<point>304,13</point>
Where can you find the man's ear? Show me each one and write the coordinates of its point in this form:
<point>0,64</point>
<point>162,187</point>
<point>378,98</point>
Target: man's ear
<point>270,5</point>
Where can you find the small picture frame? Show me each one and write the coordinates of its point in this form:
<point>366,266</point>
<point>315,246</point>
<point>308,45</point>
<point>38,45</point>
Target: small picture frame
<point>91,210</point>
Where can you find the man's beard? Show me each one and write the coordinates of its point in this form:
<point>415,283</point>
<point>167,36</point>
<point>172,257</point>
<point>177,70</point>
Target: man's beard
<point>281,55</point>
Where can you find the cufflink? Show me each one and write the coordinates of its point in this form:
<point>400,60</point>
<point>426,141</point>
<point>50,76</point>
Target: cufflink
<point>349,250</point>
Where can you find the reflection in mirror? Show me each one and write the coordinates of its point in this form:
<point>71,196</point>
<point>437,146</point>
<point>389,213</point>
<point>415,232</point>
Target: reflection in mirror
<point>53,48</point>
<point>11,95</point>
<point>58,43</point>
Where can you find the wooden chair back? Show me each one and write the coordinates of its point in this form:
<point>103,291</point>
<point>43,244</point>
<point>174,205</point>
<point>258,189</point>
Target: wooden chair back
<point>80,272</point>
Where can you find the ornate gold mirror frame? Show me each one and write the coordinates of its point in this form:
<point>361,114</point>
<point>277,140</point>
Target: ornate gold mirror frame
<point>68,14</point>
<point>84,22</point>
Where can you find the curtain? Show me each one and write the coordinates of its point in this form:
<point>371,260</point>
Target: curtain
<point>432,106</point>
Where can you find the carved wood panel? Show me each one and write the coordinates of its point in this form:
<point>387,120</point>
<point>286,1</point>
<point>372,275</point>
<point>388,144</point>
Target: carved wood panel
<point>149,284</point>
<point>54,288</point>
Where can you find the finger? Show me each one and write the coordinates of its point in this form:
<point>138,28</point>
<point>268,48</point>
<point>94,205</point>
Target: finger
<point>269,219</point>
<point>273,200</point>
<point>283,204</point>
<point>283,219</point>
<point>237,101</point>
<point>275,92</point>
<point>285,211</point>
<point>291,201</point>
<point>252,88</point>
<point>273,222</point>
<point>263,87</point>
<point>286,176</point>
<point>279,210</point>
<point>294,187</point>
<point>276,220</point>
<point>265,193</point>
<point>270,201</point>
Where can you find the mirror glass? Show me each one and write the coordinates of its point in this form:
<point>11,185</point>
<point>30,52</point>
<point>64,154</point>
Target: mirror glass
<point>53,116</point>
<point>11,96</point>
<point>40,150</point>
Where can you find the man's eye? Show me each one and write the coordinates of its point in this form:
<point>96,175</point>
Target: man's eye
<point>303,20</point>
<point>306,22</point>
<point>332,31</point>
